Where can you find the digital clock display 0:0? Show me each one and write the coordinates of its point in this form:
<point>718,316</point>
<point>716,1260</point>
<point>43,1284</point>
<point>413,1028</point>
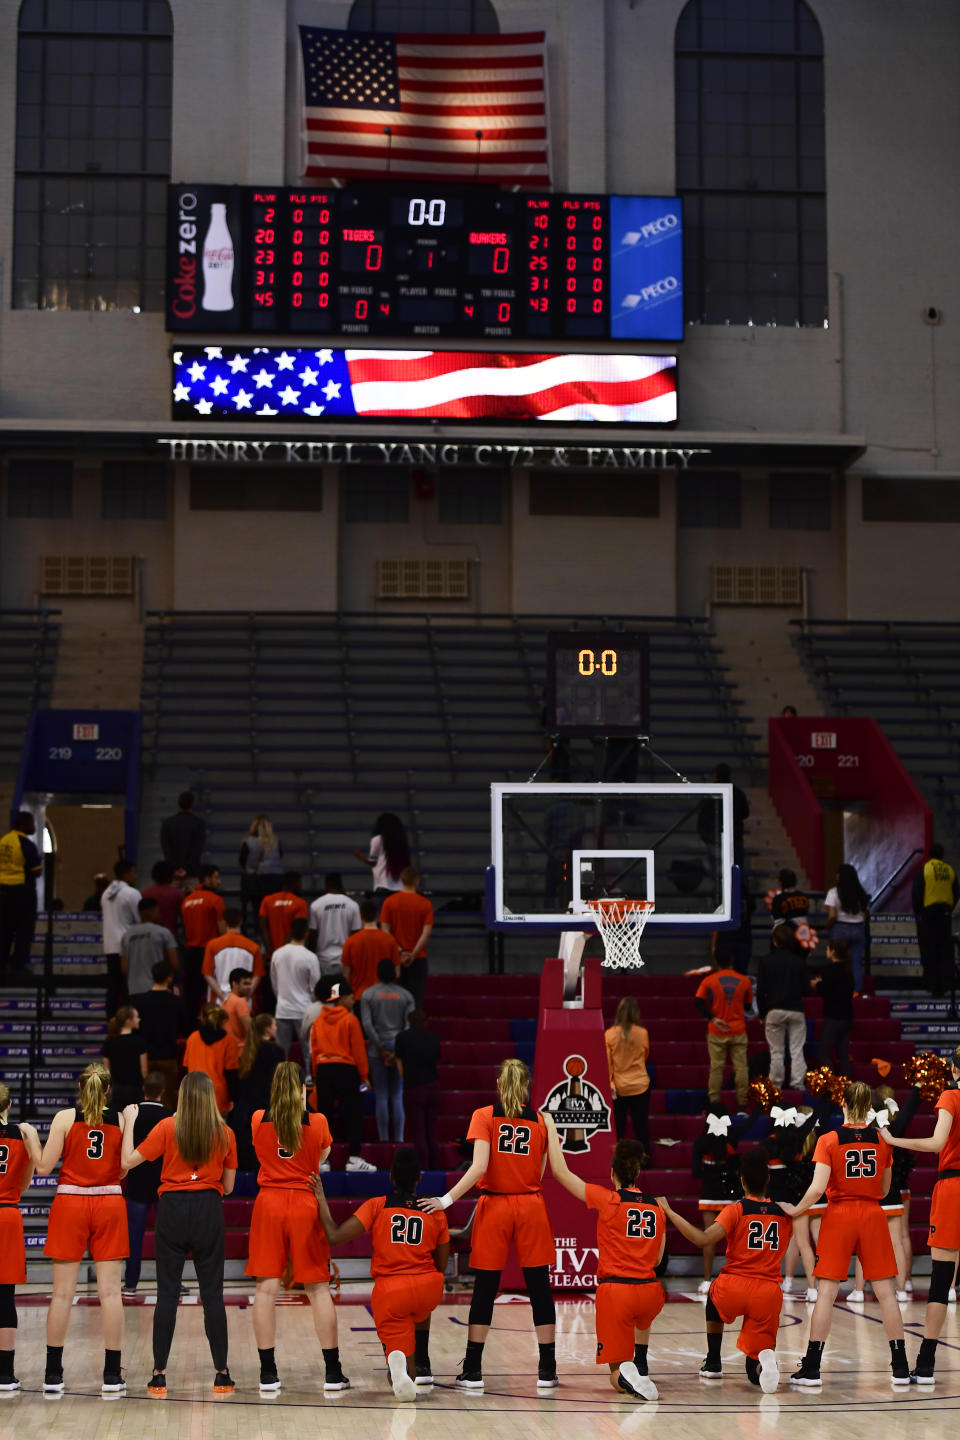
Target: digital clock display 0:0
<point>430,262</point>
<point>597,684</point>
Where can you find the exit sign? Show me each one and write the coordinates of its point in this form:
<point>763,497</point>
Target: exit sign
<point>86,732</point>
<point>823,740</point>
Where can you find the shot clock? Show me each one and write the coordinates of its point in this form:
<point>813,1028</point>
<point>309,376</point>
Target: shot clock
<point>597,683</point>
<point>379,261</point>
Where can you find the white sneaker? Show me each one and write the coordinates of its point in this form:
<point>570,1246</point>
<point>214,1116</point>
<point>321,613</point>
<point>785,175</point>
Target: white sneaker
<point>786,1284</point>
<point>704,1287</point>
<point>902,1297</point>
<point>908,1286</point>
<point>639,1384</point>
<point>403,1386</point>
<point>951,1296</point>
<point>811,1295</point>
<point>855,1297</point>
<point>324,1167</point>
<point>357,1162</point>
<point>769,1372</point>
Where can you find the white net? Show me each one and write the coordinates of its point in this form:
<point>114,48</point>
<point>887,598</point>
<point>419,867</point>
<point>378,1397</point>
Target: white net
<point>621,924</point>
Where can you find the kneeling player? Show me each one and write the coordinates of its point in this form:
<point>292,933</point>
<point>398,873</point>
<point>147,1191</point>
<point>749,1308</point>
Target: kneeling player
<point>290,1144</point>
<point>757,1235</point>
<point>410,1251</point>
<point>631,1234</point>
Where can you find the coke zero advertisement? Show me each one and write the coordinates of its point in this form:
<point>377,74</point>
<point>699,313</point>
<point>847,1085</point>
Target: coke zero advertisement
<point>204,283</point>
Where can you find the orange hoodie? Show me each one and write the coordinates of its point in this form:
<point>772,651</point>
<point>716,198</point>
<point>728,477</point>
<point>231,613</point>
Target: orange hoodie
<point>337,1039</point>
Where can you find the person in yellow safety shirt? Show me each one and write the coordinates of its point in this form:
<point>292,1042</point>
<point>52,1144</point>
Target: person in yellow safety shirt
<point>19,868</point>
<point>935,894</point>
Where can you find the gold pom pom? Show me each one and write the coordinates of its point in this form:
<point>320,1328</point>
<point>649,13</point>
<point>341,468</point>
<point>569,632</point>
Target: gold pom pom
<point>819,1082</point>
<point>928,1073</point>
<point>762,1093</point>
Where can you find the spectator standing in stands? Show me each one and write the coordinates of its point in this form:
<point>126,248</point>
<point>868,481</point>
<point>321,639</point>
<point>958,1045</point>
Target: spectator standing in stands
<point>294,971</point>
<point>835,984</point>
<point>722,999</point>
<point>741,812</point>
<point>310,1014</point>
<point>782,983</point>
<point>333,916</point>
<point>847,907</point>
<point>389,855</point>
<point>236,1005</point>
<point>935,895</point>
<point>228,952</point>
<point>789,903</point>
<point>125,1055</point>
<point>169,897</point>
<point>340,1068</point>
<point>628,1049</point>
<point>384,1011</point>
<point>417,1054</point>
<point>258,1060</point>
<point>203,920</point>
<point>363,951</point>
<point>183,836</point>
<point>278,910</point>
<point>408,917</point>
<point>261,864</point>
<point>20,868</point>
<point>161,1015</point>
<point>140,1186</point>
<point>91,905</point>
<point>143,945</point>
<point>215,1052</point>
<point>120,908</point>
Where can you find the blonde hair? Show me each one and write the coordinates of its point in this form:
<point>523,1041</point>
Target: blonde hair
<point>213,1015</point>
<point>261,829</point>
<point>256,1034</point>
<point>198,1127</point>
<point>628,1015</point>
<point>856,1100</point>
<point>4,1098</point>
<point>286,1105</point>
<point>513,1082</point>
<point>93,1085</point>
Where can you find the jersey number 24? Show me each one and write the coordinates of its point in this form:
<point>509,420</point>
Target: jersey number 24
<point>763,1237</point>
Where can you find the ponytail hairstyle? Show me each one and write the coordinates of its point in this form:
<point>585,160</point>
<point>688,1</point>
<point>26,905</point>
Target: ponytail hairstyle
<point>955,1062</point>
<point>405,1173</point>
<point>628,1015</point>
<point>856,1101</point>
<point>213,1015</point>
<point>4,1098</point>
<point>629,1158</point>
<point>513,1083</point>
<point>286,1104</point>
<point>93,1085</point>
<point>121,1018</point>
<point>198,1127</point>
<point>251,1046</point>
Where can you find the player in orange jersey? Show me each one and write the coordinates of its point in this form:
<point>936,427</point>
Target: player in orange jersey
<point>852,1163</point>
<point>19,1156</point>
<point>88,1210</point>
<point>410,1252</point>
<point>509,1155</point>
<point>291,1144</point>
<point>631,1234</point>
<point>757,1235</point>
<point>944,1238</point>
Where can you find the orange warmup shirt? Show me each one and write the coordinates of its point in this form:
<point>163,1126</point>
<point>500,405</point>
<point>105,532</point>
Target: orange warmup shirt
<point>216,1058</point>
<point>402,1238</point>
<point>362,953</point>
<point>406,912</point>
<point>200,915</point>
<point>728,992</point>
<point>176,1173</point>
<point>336,1038</point>
<point>280,911</point>
<point>627,1059</point>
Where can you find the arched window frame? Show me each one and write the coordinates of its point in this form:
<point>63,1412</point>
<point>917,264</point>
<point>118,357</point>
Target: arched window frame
<point>454,17</point>
<point>751,162</point>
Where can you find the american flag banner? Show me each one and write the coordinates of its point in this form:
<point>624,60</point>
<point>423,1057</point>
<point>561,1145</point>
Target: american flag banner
<point>268,382</point>
<point>407,107</point>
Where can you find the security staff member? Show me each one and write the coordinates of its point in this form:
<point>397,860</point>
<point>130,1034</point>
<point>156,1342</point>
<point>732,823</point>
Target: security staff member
<point>19,868</point>
<point>935,894</point>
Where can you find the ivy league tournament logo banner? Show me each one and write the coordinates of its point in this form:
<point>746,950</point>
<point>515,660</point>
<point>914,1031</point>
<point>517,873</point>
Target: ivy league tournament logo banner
<point>578,1108</point>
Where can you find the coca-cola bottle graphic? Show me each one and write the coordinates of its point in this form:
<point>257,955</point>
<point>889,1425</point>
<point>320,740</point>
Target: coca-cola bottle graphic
<point>217,262</point>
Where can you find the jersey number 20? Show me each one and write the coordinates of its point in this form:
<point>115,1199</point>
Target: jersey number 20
<point>641,1224</point>
<point>861,1164</point>
<point>514,1140</point>
<point>760,1237</point>
<point>406,1229</point>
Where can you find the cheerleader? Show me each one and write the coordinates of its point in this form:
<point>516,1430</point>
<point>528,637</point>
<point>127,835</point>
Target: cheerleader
<point>714,1154</point>
<point>291,1144</point>
<point>19,1157</point>
<point>88,1210</point>
<point>509,1155</point>
<point>788,1133</point>
<point>944,1238</point>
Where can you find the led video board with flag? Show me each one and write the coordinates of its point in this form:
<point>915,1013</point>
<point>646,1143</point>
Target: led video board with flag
<point>221,382</point>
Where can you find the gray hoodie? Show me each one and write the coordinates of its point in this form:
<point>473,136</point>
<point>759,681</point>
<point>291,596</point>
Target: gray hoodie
<point>383,1014</point>
<point>118,906</point>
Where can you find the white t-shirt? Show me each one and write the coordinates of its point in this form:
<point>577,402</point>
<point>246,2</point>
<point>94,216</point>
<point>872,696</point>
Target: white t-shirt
<point>294,971</point>
<point>231,957</point>
<point>382,879</point>
<point>334,917</point>
<point>833,902</point>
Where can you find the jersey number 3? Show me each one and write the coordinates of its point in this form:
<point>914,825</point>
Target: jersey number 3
<point>760,1237</point>
<point>861,1164</point>
<point>4,1157</point>
<point>95,1147</point>
<point>641,1224</point>
<point>513,1140</point>
<point>406,1229</point>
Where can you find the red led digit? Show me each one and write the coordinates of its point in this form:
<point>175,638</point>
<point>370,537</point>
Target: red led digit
<point>598,307</point>
<point>571,307</point>
<point>571,242</point>
<point>596,264</point>
<point>597,243</point>
<point>298,277</point>
<point>598,222</point>
<point>571,222</point>
<point>572,285</point>
<point>297,217</point>
<point>324,217</point>
<point>374,257</point>
<point>296,299</point>
<point>298,257</point>
<point>324,278</point>
<point>541,221</point>
<point>268,215</point>
<point>263,237</point>
<point>503,312</point>
<point>360,310</point>
<point>501,260</point>
<point>298,237</point>
<point>324,257</point>
<point>571,262</point>
<point>597,287</point>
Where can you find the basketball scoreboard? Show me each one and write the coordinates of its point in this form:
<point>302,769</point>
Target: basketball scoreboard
<point>597,683</point>
<point>432,262</point>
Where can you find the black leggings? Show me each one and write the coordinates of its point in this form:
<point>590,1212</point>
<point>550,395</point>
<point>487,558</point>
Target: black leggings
<point>537,1280</point>
<point>190,1222</point>
<point>8,1307</point>
<point>637,1107</point>
<point>339,1086</point>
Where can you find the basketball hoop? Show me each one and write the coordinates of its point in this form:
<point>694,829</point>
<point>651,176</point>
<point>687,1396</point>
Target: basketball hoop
<point>621,923</point>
